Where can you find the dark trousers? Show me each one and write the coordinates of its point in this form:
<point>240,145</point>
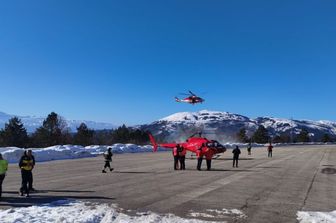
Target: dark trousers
<point>107,164</point>
<point>199,163</point>
<point>27,181</point>
<point>269,153</point>
<point>176,161</point>
<point>2,177</point>
<point>208,162</point>
<point>182,162</point>
<point>235,161</point>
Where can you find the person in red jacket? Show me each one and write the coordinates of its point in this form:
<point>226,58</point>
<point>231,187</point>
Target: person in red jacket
<point>176,156</point>
<point>182,153</point>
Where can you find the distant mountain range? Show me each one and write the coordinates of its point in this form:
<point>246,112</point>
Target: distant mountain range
<point>224,126</point>
<point>31,123</point>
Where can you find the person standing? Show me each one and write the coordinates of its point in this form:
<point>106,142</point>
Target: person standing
<point>176,156</point>
<point>182,154</point>
<point>26,164</point>
<point>249,148</point>
<point>30,185</point>
<point>199,155</point>
<point>3,170</point>
<point>270,150</point>
<point>236,153</point>
<point>108,159</point>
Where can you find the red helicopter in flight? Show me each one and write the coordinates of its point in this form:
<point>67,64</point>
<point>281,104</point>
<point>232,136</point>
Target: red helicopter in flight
<point>191,99</point>
<point>202,146</point>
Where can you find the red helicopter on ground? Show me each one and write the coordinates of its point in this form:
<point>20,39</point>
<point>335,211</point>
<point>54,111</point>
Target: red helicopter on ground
<point>192,99</point>
<point>202,146</point>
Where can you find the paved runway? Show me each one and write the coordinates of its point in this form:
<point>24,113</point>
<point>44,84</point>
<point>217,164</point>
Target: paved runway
<point>264,189</point>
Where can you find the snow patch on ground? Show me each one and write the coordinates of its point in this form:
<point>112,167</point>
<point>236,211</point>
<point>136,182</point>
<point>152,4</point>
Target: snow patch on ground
<point>218,214</point>
<point>84,212</point>
<point>316,217</point>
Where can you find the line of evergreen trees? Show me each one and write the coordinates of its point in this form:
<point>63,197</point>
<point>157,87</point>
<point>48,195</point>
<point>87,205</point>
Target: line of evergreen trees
<point>261,135</point>
<point>54,131</point>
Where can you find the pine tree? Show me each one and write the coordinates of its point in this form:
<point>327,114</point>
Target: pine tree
<point>53,131</point>
<point>84,135</point>
<point>326,138</point>
<point>303,136</point>
<point>261,135</point>
<point>241,135</point>
<point>282,138</point>
<point>14,134</point>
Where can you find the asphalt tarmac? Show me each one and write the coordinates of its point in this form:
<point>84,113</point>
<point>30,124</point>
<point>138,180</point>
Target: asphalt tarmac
<point>296,178</point>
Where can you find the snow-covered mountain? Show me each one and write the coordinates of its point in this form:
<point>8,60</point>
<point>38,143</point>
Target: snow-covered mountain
<point>31,123</point>
<point>224,126</point>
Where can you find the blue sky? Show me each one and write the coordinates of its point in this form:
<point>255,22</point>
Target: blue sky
<point>125,61</point>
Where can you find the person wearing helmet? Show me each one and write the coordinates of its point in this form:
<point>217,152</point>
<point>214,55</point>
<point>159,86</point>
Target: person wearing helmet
<point>108,159</point>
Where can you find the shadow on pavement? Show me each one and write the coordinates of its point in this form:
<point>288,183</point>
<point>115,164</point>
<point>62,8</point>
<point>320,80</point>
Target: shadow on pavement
<point>37,199</point>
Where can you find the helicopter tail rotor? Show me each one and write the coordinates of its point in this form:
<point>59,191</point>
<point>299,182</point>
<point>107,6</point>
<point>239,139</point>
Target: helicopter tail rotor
<point>152,140</point>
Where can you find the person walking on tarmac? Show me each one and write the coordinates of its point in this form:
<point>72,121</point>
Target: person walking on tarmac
<point>236,153</point>
<point>176,156</point>
<point>108,159</point>
<point>249,148</point>
<point>3,170</point>
<point>26,164</point>
<point>270,149</point>
<point>182,153</point>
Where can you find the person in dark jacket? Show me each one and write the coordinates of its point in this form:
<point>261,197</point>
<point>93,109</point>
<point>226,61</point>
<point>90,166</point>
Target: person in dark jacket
<point>108,159</point>
<point>176,156</point>
<point>26,164</point>
<point>182,153</point>
<point>236,153</point>
<point>270,150</point>
<point>249,148</point>
<point>199,154</point>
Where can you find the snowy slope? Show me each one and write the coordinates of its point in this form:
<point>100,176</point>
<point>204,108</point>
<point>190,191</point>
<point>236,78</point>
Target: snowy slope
<point>224,126</point>
<point>32,122</point>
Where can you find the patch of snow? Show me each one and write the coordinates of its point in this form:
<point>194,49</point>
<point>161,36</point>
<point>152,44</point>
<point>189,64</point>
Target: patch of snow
<point>61,152</point>
<point>84,212</point>
<point>316,217</point>
<point>218,214</point>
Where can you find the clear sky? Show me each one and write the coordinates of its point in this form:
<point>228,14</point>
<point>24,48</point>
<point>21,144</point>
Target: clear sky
<point>125,61</point>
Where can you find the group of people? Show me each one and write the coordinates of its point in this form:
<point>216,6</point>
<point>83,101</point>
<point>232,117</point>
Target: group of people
<point>179,153</point>
<point>179,156</point>
<point>26,165</point>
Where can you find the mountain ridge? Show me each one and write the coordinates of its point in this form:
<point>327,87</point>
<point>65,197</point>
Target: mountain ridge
<point>225,126</point>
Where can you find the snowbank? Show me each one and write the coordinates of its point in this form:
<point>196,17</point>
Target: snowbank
<point>61,152</point>
<point>315,217</point>
<point>77,211</point>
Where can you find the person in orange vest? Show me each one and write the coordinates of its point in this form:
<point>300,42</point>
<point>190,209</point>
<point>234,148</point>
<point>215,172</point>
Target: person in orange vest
<point>182,153</point>
<point>176,156</point>
<point>270,150</point>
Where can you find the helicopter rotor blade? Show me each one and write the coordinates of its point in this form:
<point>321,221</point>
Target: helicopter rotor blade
<point>192,93</point>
